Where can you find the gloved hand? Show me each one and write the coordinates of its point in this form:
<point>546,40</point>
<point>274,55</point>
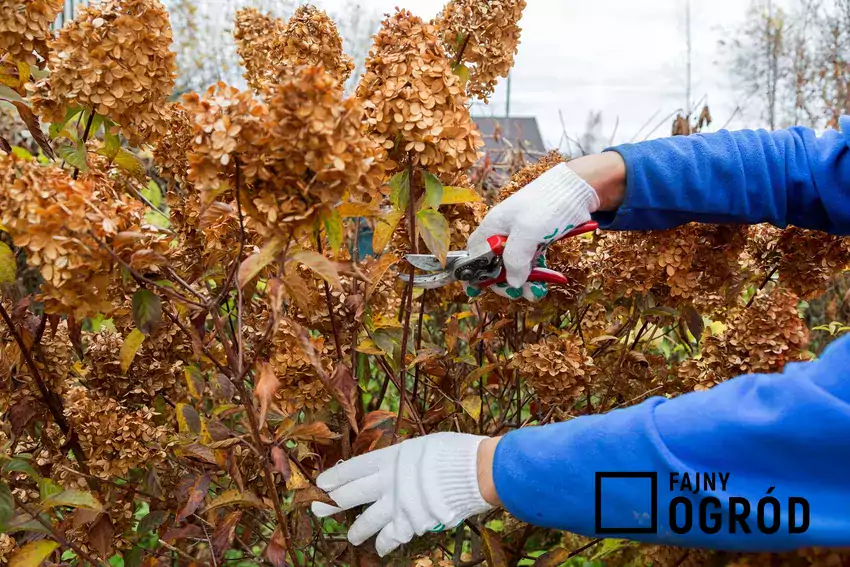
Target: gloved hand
<point>421,485</point>
<point>532,218</point>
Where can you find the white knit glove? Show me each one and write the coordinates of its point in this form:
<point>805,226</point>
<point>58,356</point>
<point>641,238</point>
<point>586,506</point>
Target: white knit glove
<point>532,218</point>
<point>426,484</point>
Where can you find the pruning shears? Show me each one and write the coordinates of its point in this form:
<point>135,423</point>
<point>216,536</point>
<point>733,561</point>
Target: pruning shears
<point>483,270</point>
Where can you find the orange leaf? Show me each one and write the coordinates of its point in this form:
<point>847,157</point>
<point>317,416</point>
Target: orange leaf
<point>264,390</point>
<point>493,551</point>
<point>254,264</point>
<point>384,229</point>
<point>317,431</point>
<point>377,271</point>
<point>352,210</point>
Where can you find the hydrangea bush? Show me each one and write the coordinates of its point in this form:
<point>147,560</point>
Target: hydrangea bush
<point>194,326</point>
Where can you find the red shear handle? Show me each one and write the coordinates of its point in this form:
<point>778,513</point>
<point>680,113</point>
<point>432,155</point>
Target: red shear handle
<point>537,275</point>
<point>497,243</point>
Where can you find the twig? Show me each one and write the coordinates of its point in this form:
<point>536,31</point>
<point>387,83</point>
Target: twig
<point>460,52</point>
<point>761,287</point>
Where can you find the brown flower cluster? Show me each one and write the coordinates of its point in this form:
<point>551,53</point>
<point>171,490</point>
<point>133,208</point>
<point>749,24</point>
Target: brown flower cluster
<point>806,260</point>
<point>59,222</point>
<point>761,338</point>
<point>172,149</point>
<point>298,155</point>
<point>115,57</point>
<point>25,28</point>
<point>311,38</point>
<point>484,35</point>
<point>256,34</point>
<point>115,439</point>
<point>557,369</point>
<point>299,389</point>
<point>696,263</point>
<point>415,105</point>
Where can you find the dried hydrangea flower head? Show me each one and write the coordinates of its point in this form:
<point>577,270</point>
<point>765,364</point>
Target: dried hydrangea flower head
<point>115,57</point>
<point>298,155</point>
<point>761,338</point>
<point>806,260</point>
<point>312,38</point>
<point>25,28</point>
<point>257,37</point>
<point>54,217</point>
<point>485,35</point>
<point>414,103</point>
<point>171,151</point>
<point>557,369</point>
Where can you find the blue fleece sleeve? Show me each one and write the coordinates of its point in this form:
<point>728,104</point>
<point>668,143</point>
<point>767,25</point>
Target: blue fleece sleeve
<point>781,436</point>
<point>747,177</point>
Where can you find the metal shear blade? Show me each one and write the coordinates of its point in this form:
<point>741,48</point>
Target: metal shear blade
<point>430,263</point>
<point>431,281</point>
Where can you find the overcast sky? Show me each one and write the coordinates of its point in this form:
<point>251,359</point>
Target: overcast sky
<point>625,58</point>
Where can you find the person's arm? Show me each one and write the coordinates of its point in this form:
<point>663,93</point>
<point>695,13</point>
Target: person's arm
<point>783,435</point>
<point>787,177</point>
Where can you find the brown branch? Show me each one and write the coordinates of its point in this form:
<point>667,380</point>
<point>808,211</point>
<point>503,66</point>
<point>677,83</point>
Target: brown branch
<point>53,402</point>
<point>85,139</point>
<point>459,57</point>
<point>329,301</point>
<point>761,287</point>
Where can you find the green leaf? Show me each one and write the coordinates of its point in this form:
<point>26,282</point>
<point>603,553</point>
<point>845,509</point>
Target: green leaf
<point>147,310</point>
<point>7,505</point>
<point>57,127</point>
<point>74,156</point>
<point>462,71</point>
<point>332,222</point>
<point>73,499</point>
<point>48,488</point>
<point>435,232</point>
<point>458,195</point>
<point>8,264</point>
<point>400,194</point>
<point>152,193</point>
<point>111,145</point>
<point>22,466</point>
<point>433,191</point>
<point>152,521</point>
<point>33,553</point>
<point>133,558</point>
<point>129,349</point>
<point>22,153</point>
<point>127,161</point>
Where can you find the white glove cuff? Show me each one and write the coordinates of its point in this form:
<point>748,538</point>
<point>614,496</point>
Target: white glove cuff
<point>454,466</point>
<point>567,191</point>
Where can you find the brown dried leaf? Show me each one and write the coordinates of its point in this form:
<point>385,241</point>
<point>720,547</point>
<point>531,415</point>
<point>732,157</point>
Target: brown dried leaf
<point>31,120</point>
<point>320,265</point>
<point>280,463</point>
<point>344,389</point>
<point>275,552</point>
<point>493,551</point>
<point>377,271</point>
<point>236,498</point>
<point>317,432</point>
<point>552,558</point>
<point>376,418</point>
<point>100,536</point>
<point>254,264</point>
<point>366,441</point>
<point>222,537</point>
<point>196,495</point>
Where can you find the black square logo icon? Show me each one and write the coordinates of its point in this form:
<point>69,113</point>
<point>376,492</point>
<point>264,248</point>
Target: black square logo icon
<point>640,483</point>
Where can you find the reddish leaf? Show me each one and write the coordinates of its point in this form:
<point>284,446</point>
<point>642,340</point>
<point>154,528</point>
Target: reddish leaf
<point>264,390</point>
<point>187,531</point>
<point>31,120</point>
<point>223,535</point>
<point>298,292</point>
<point>310,494</point>
<point>376,418</point>
<point>366,441</point>
<point>344,389</point>
<point>196,495</point>
<point>100,536</point>
<point>276,549</point>
<point>280,463</point>
<point>317,432</point>
<point>20,414</point>
<point>5,145</point>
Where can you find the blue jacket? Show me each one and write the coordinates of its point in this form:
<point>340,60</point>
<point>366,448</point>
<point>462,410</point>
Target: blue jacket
<point>781,441</point>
